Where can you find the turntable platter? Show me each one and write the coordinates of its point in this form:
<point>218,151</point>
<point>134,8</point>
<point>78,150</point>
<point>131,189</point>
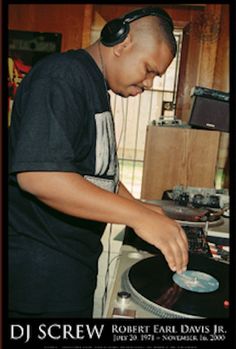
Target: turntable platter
<point>188,215</point>
<point>151,284</point>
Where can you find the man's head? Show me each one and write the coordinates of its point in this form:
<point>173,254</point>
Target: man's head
<point>115,31</point>
<point>134,56</point>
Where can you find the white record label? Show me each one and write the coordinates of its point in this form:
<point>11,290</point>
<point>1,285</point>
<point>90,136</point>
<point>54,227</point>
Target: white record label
<point>196,281</point>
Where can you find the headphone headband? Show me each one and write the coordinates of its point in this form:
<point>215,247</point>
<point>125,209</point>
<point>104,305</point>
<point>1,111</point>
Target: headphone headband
<point>148,11</point>
<point>117,30</point>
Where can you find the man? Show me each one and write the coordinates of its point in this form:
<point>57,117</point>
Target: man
<point>63,183</point>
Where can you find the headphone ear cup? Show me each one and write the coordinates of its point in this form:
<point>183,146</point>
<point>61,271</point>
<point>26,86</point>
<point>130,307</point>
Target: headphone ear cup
<point>114,32</point>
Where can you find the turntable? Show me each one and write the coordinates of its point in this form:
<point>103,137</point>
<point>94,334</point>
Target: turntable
<point>194,216</point>
<point>156,292</point>
<point>192,294</point>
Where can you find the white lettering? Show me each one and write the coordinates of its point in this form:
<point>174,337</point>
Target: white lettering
<point>80,331</point>
<point>18,331</point>
<point>95,329</point>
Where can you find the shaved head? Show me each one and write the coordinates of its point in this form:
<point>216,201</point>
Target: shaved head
<point>131,54</point>
<point>153,27</point>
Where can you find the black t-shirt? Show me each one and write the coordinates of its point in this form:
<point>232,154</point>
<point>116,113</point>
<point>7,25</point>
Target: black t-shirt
<point>61,121</point>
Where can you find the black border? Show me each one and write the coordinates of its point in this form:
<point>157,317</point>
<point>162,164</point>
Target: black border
<point>105,342</point>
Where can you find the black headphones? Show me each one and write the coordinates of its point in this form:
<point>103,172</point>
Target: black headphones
<point>117,30</point>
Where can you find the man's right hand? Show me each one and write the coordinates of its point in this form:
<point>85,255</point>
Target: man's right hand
<point>167,235</point>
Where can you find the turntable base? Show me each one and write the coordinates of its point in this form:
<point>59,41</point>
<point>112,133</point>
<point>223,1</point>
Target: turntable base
<point>129,256</point>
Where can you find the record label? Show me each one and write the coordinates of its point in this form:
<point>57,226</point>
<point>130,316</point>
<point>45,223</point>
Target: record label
<point>196,281</point>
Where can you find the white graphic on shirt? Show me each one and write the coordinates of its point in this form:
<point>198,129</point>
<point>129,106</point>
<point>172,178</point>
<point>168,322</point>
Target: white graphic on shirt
<point>105,145</point>
<point>106,159</point>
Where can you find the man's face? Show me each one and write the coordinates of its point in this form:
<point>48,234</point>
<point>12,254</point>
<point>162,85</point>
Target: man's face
<point>135,68</point>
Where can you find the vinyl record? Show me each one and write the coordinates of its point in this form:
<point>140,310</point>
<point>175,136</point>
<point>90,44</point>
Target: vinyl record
<point>152,286</point>
<point>191,216</point>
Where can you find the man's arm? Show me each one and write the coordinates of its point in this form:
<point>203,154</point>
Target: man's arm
<point>70,193</point>
<point>123,191</point>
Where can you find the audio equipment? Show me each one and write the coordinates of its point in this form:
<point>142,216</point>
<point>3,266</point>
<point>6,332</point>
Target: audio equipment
<point>152,290</point>
<point>198,197</point>
<point>209,109</point>
<point>167,121</point>
<point>192,294</point>
<point>116,31</point>
<point>185,213</point>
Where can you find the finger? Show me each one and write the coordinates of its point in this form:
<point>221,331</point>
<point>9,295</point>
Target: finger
<point>169,255</point>
<point>183,259</point>
<point>184,236</point>
<point>184,246</point>
<point>182,242</point>
<point>176,253</point>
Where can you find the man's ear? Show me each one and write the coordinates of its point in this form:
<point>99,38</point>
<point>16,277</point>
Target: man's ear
<point>119,48</point>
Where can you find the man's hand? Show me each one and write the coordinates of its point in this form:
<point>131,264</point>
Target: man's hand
<point>161,231</point>
<point>167,235</point>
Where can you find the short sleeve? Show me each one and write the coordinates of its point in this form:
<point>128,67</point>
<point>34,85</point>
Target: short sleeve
<point>47,125</point>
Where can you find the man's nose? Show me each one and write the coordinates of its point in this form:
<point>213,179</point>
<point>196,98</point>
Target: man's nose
<point>148,82</point>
